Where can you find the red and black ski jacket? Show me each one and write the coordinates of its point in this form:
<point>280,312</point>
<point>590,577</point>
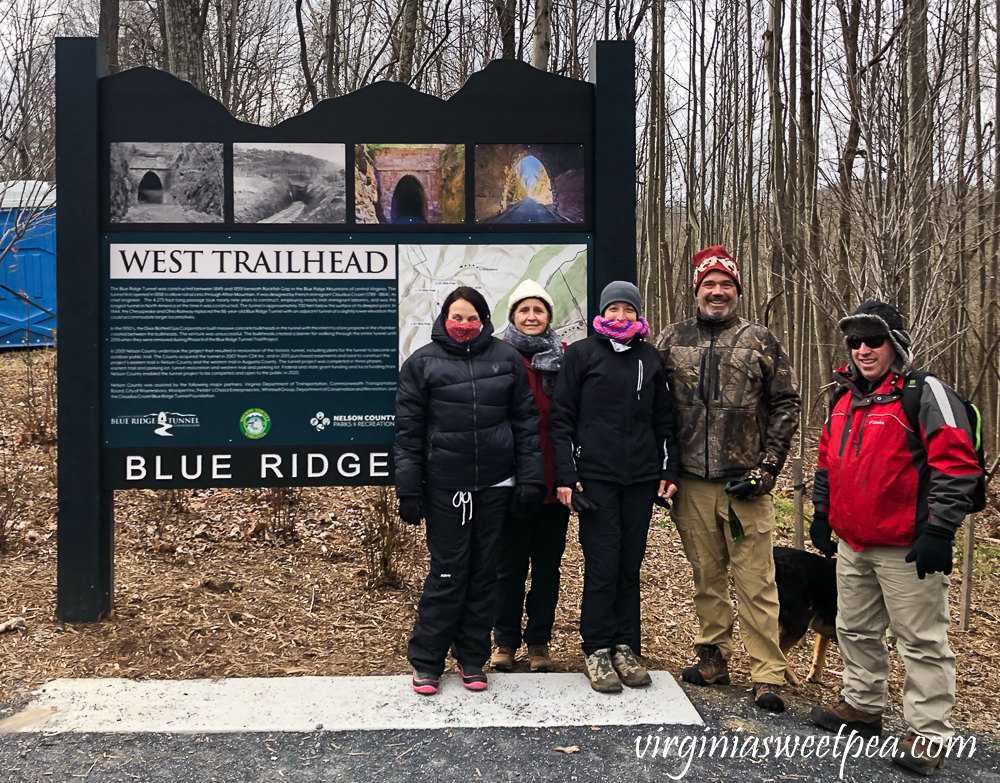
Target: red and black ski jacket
<point>882,481</point>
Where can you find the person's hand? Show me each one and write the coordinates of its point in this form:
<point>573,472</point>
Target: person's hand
<point>411,510</point>
<point>757,483</point>
<point>821,533</point>
<point>666,491</point>
<point>932,551</point>
<point>527,497</point>
<point>565,495</point>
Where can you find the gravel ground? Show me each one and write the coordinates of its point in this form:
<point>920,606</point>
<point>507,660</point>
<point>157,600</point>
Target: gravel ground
<point>606,753</point>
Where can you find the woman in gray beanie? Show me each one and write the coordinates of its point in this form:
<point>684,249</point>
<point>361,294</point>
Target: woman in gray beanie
<point>613,439</point>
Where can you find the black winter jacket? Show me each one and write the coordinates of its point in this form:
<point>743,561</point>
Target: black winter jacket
<point>465,416</point>
<point>612,415</point>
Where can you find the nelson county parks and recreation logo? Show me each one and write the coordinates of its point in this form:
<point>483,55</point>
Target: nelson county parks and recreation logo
<point>255,423</point>
<point>163,422</point>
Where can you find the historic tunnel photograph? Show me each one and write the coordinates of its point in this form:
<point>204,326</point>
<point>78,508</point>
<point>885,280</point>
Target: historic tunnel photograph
<point>289,183</point>
<point>409,183</point>
<point>530,183</point>
<point>166,182</point>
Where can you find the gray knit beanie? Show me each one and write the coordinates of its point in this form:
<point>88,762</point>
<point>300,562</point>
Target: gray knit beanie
<point>621,291</point>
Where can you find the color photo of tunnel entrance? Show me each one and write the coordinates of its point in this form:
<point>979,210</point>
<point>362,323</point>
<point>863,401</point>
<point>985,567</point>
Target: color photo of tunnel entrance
<point>409,183</point>
<point>530,183</point>
<point>289,183</point>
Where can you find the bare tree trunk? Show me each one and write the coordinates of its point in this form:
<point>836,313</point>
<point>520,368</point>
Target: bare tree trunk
<point>107,32</point>
<point>506,16</point>
<point>919,149</point>
<point>184,25</point>
<point>541,36</point>
<point>408,40</point>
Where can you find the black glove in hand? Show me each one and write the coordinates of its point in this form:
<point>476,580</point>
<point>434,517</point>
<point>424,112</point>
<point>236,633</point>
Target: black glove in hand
<point>820,532</point>
<point>582,503</point>
<point>757,483</point>
<point>932,551</point>
<point>527,497</point>
<point>411,510</point>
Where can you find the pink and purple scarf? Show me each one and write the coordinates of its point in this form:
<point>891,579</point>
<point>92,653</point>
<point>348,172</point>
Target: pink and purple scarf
<point>621,331</point>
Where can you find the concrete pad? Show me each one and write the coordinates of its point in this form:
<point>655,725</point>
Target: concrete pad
<point>305,704</point>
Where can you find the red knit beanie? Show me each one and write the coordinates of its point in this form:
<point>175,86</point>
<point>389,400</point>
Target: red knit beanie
<point>716,259</point>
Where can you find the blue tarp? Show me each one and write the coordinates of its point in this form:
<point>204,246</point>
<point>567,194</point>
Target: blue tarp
<point>28,269</point>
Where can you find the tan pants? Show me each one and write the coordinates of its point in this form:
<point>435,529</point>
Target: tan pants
<point>701,513</point>
<point>876,587</point>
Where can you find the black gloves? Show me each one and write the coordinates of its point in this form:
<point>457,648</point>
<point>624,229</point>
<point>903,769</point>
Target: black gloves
<point>820,532</point>
<point>527,497</point>
<point>411,510</point>
<point>931,551</point>
<point>582,503</point>
<point>757,483</point>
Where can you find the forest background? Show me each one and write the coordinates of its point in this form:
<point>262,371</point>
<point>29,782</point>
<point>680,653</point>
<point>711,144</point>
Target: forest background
<point>841,149</point>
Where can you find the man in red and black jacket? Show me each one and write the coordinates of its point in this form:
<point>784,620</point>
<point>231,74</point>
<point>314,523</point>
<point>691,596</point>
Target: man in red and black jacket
<point>895,495</point>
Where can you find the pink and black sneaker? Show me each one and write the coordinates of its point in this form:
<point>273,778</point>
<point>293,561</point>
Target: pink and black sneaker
<point>425,683</point>
<point>473,677</point>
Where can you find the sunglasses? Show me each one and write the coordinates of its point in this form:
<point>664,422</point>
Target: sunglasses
<point>872,342</point>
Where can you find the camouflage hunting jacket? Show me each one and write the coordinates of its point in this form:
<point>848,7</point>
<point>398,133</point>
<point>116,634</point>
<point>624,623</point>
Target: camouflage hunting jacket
<point>736,399</point>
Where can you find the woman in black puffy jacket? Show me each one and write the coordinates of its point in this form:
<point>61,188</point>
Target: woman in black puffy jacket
<point>466,442</point>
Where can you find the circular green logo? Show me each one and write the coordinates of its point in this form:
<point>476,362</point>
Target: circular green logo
<point>255,423</point>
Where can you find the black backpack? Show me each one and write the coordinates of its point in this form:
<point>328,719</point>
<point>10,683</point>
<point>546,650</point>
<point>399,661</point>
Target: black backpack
<point>912,389</point>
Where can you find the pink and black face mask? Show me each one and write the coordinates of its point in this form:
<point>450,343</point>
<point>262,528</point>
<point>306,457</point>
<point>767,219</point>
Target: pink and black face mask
<point>462,332</point>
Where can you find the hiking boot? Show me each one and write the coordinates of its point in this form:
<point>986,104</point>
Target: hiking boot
<point>921,754</point>
<point>425,683</point>
<point>866,724</point>
<point>601,673</point>
<point>503,659</point>
<point>767,696</point>
<point>629,670</point>
<point>473,677</point>
<point>710,669</point>
<point>538,658</point>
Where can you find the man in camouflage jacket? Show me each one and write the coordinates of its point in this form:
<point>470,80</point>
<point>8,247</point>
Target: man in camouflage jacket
<point>736,406</point>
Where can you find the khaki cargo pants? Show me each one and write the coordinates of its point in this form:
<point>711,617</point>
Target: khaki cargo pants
<point>876,587</point>
<point>701,514</point>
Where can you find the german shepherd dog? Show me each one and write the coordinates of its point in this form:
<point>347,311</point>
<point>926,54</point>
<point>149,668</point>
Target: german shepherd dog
<point>807,598</point>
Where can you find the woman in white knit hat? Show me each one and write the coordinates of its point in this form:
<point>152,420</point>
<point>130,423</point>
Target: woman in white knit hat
<point>532,537</point>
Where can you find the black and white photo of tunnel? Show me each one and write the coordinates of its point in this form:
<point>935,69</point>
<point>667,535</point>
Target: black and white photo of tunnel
<point>530,183</point>
<point>166,182</point>
<point>289,183</point>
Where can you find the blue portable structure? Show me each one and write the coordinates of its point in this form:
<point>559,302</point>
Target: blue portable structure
<point>27,264</point>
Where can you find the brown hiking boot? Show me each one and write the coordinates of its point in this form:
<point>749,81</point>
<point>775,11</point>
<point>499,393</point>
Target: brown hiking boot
<point>629,670</point>
<point>601,673</point>
<point>710,669</point>
<point>925,755</point>
<point>867,724</point>
<point>502,659</point>
<point>538,658</point>
<point>767,696</point>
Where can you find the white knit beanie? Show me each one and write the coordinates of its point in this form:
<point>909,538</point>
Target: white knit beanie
<point>529,289</point>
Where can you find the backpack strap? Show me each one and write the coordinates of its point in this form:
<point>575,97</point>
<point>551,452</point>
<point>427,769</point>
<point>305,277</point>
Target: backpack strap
<point>913,388</point>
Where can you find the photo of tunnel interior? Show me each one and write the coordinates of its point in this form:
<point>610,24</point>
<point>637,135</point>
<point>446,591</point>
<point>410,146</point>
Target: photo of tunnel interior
<point>530,183</point>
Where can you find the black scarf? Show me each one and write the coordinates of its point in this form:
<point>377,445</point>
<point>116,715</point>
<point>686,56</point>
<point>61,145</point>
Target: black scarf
<point>546,352</point>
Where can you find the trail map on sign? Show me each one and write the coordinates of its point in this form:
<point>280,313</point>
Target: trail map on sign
<point>427,273</point>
